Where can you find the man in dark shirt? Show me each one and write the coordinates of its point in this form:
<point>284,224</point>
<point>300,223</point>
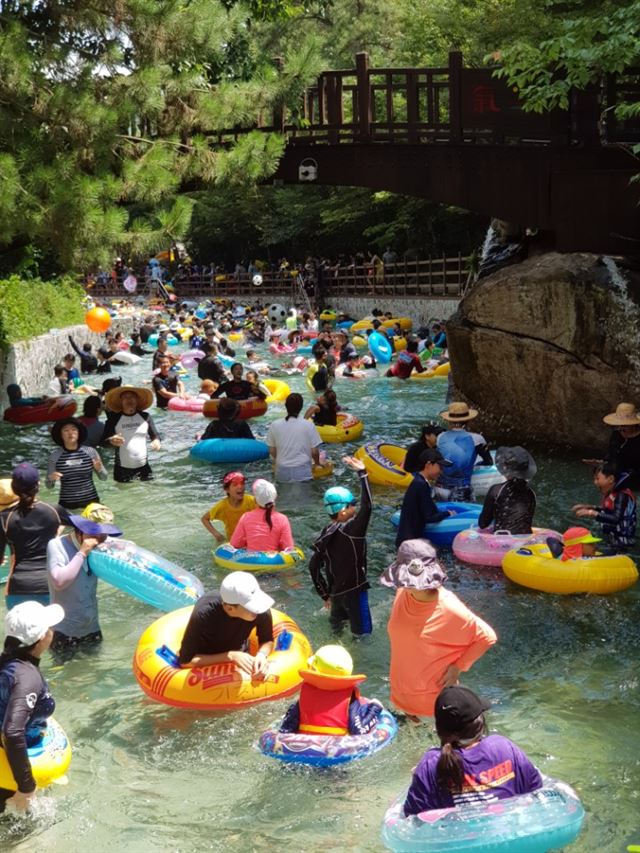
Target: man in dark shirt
<point>219,627</point>
<point>166,385</point>
<point>428,438</point>
<point>238,388</point>
<point>211,367</point>
<point>226,424</point>
<point>348,351</point>
<point>418,506</point>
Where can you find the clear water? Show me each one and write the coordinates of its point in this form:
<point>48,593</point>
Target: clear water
<point>145,777</point>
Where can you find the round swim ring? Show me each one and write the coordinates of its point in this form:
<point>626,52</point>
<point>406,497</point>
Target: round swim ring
<point>219,685</point>
<point>144,575</point>
<point>367,323</point>
<point>254,407</point>
<point>243,560</point>
<point>399,344</point>
<point>323,470</point>
<point>226,360</point>
<point>535,567</point>
<point>327,750</point>
<point>171,340</point>
<point>488,547</point>
<point>278,390</point>
<point>126,357</point>
<point>193,405</point>
<point>305,350</point>
<point>383,462</point>
<point>55,409</point>
<point>49,758</point>
<point>328,316</point>
<point>546,819</point>
<point>348,428</point>
<point>439,372</point>
<point>345,324</point>
<point>380,347</point>
<point>281,349</point>
<point>483,477</point>
<point>359,342</point>
<point>444,532</point>
<point>223,450</point>
<point>235,337</point>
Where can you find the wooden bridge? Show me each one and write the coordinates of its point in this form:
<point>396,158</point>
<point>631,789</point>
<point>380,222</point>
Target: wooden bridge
<point>459,136</point>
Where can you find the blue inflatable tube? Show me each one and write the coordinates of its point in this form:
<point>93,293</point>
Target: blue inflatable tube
<point>226,359</point>
<point>221,450</point>
<point>380,347</point>
<point>345,324</point>
<point>306,350</point>
<point>444,532</point>
<point>547,819</point>
<point>144,575</point>
<point>327,750</point>
<point>153,340</point>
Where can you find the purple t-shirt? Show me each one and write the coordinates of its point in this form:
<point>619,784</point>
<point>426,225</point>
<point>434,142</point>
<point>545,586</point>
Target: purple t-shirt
<point>494,769</point>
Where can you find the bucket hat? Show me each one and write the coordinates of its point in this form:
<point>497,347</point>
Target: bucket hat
<point>515,462</point>
<point>416,566</point>
<point>56,430</point>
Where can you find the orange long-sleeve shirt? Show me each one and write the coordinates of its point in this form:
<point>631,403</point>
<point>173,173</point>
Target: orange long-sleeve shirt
<point>426,637</point>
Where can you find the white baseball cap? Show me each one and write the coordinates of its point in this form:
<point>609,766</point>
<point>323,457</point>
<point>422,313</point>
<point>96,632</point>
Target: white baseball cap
<point>30,621</point>
<point>243,588</point>
<point>264,492</point>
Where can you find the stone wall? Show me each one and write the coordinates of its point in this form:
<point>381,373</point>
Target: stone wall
<point>419,309</point>
<point>30,363</point>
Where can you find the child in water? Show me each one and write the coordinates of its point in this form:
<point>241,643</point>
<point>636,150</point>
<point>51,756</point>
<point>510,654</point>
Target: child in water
<point>330,702</point>
<point>617,510</point>
<point>577,542</point>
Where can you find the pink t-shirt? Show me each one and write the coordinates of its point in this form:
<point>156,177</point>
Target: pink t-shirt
<point>426,637</point>
<point>253,532</point>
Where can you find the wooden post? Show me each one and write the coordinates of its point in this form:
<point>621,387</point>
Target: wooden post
<point>444,273</point>
<point>333,112</point>
<point>278,107</point>
<point>455,96</point>
<point>364,97</point>
<point>413,110</point>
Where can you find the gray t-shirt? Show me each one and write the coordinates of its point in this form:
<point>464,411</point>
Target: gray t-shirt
<point>79,598</point>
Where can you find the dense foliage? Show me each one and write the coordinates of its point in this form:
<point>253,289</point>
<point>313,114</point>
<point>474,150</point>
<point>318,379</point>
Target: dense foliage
<point>30,308</point>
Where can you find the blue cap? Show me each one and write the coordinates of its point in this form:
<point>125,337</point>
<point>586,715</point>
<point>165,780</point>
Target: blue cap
<point>337,498</point>
<point>24,477</point>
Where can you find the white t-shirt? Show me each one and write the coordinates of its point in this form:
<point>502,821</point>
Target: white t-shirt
<point>134,429</point>
<point>293,440</point>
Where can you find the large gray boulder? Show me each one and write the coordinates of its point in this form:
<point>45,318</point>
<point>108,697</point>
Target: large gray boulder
<point>547,347</point>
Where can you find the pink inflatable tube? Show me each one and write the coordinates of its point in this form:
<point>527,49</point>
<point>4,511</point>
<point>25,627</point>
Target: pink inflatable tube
<point>279,349</point>
<point>487,548</point>
<point>191,405</point>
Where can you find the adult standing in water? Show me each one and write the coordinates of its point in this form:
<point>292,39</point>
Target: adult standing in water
<point>293,444</point>
<point>428,440</point>
<point>25,700</point>
<point>73,464</point>
<point>462,448</point>
<point>434,637</point>
<point>624,444</point>
<point>128,429</point>
<point>27,527</point>
<point>511,505</point>
<point>167,385</point>
<point>72,584</point>
<point>418,505</point>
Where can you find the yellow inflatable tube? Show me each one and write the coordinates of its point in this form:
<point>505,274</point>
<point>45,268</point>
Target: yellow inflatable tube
<point>367,323</point>
<point>322,470</point>
<point>49,759</point>
<point>235,337</point>
<point>278,390</point>
<point>399,344</point>
<point>221,685</point>
<point>359,342</point>
<point>534,566</point>
<point>384,464</point>
<point>440,372</point>
<point>348,428</point>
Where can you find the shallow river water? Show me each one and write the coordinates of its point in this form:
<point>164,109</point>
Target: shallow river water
<point>563,677</point>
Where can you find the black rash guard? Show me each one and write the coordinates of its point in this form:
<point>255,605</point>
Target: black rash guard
<point>509,506</point>
<point>624,455</point>
<point>28,531</point>
<point>341,551</point>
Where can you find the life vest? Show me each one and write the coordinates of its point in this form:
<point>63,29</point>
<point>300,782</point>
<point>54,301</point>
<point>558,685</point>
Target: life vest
<point>324,702</point>
<point>624,532</point>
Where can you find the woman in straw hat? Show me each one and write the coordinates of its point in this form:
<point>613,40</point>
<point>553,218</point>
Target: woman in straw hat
<point>624,445</point>
<point>462,448</point>
<point>128,429</point>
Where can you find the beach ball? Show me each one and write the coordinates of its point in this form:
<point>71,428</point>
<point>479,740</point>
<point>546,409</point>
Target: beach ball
<point>277,314</point>
<point>201,313</point>
<point>257,280</point>
<point>98,319</point>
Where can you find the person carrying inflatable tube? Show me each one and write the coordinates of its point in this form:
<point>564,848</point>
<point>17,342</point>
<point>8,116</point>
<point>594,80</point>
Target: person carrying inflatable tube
<point>25,700</point>
<point>469,764</point>
<point>330,702</point>
<point>338,566</point>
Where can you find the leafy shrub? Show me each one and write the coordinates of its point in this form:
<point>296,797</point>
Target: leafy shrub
<point>31,307</point>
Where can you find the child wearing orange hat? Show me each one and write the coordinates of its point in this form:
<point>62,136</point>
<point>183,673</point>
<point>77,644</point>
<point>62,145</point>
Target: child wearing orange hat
<point>578,543</point>
<point>330,702</point>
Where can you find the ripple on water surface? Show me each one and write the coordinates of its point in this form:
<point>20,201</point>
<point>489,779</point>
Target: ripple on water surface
<point>144,777</point>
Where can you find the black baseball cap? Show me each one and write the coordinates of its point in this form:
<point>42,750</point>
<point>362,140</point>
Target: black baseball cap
<point>432,455</point>
<point>456,707</point>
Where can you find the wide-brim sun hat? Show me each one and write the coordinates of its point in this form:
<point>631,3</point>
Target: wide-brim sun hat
<point>416,566</point>
<point>113,398</point>
<point>458,413</point>
<point>515,462</point>
<point>56,430</point>
<point>93,528</point>
<point>625,414</point>
<point>579,536</point>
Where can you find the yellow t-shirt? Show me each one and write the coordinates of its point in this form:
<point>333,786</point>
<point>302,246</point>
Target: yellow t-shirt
<point>230,515</point>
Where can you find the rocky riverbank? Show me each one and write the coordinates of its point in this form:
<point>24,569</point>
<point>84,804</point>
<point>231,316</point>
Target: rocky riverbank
<point>547,347</point>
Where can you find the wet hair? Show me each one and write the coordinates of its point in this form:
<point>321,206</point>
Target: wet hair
<point>91,407</point>
<point>450,767</point>
<point>331,400</point>
<point>412,345</point>
<point>228,409</point>
<point>430,428</point>
<point>14,650</point>
<point>293,404</point>
<point>606,469</point>
<point>111,383</point>
<point>86,347</point>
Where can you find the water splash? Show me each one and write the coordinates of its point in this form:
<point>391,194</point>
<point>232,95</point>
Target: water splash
<point>487,246</point>
<point>623,325</point>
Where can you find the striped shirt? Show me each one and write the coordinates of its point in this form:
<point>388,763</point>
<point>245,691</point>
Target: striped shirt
<point>76,466</point>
